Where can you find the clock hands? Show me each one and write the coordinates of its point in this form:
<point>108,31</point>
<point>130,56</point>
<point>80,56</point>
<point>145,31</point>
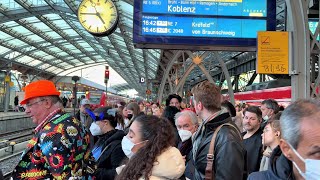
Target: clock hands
<point>100,18</point>
<point>97,13</point>
<point>89,13</point>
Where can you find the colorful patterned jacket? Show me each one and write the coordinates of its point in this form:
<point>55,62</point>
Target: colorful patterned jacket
<point>56,151</point>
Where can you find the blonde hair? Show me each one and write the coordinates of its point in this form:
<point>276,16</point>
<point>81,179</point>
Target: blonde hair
<point>275,125</point>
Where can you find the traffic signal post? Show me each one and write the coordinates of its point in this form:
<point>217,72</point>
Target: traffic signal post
<point>106,77</point>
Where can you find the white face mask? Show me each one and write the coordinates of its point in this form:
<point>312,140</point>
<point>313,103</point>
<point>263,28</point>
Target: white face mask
<point>95,129</point>
<point>184,134</point>
<point>266,118</point>
<point>312,167</point>
<point>127,146</point>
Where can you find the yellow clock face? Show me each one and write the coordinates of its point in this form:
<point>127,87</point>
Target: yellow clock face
<point>99,17</point>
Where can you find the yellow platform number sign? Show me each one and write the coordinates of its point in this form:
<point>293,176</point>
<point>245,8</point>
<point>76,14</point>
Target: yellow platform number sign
<point>273,52</point>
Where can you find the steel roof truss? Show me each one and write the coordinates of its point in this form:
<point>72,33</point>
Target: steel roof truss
<point>28,41</point>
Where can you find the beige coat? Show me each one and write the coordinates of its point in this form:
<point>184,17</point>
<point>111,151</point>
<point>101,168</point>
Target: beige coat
<point>169,165</point>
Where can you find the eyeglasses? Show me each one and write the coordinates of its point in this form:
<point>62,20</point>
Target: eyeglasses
<point>31,104</point>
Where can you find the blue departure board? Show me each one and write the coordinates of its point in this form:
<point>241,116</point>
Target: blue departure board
<point>256,8</point>
<point>201,27</point>
<point>178,24</point>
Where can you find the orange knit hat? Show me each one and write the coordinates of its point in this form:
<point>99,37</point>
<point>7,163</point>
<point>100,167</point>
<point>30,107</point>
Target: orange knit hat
<point>38,89</point>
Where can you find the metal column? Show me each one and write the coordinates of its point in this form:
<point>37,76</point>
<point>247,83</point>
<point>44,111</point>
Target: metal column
<point>7,95</point>
<point>166,74</point>
<point>300,67</point>
<point>227,76</point>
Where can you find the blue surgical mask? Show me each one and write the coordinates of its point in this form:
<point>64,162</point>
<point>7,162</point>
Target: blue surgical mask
<point>312,167</point>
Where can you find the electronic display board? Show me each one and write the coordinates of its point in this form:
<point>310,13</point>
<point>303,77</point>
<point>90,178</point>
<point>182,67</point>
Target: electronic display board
<point>251,8</point>
<point>202,24</point>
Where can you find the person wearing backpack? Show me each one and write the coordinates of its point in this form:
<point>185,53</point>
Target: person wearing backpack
<point>218,152</point>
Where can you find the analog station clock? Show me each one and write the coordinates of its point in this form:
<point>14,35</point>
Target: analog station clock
<point>98,17</point>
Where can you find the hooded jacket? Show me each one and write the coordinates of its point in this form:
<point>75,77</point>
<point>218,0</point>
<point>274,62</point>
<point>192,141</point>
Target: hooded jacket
<point>113,155</point>
<point>230,154</point>
<point>168,165</point>
<point>280,168</point>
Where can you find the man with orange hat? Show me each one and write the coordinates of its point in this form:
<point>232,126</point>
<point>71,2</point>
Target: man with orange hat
<point>59,145</point>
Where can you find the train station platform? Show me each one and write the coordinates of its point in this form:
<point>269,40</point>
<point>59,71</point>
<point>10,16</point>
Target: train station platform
<point>8,115</point>
<point>15,121</point>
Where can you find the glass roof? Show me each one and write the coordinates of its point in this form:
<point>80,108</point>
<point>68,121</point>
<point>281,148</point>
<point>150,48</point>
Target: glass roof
<point>46,35</point>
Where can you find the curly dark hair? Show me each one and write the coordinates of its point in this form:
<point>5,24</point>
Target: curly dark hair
<point>169,112</point>
<point>171,96</point>
<point>159,133</point>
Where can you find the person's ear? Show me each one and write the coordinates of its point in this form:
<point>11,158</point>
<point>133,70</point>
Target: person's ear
<point>271,111</point>
<point>200,105</point>
<point>285,148</point>
<point>47,103</point>
<point>106,122</point>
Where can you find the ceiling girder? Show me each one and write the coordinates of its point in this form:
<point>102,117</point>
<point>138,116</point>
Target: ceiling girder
<point>65,36</point>
<point>12,15</point>
<point>124,59</point>
<point>48,39</point>
<point>54,28</point>
<point>23,65</point>
<point>28,41</point>
<point>117,50</point>
<point>145,61</point>
<point>129,48</point>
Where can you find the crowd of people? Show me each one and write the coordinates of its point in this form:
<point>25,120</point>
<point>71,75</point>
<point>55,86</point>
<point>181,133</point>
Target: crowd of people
<point>211,140</point>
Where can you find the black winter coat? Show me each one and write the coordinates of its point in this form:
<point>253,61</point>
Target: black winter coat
<point>112,156</point>
<point>279,168</point>
<point>185,149</point>
<point>229,155</point>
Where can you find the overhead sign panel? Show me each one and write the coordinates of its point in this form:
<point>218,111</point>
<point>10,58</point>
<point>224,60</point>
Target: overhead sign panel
<point>201,27</point>
<point>207,7</point>
<point>209,24</point>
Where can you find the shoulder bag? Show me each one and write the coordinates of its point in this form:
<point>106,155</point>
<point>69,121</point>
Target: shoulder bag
<point>209,173</point>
